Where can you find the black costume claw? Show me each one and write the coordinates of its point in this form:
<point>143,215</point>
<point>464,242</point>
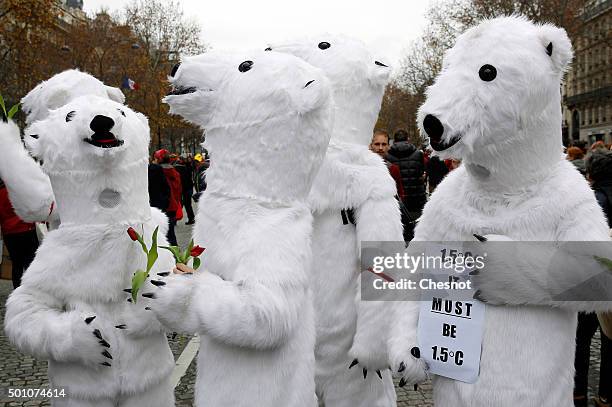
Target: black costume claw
<point>104,343</point>
<point>97,334</point>
<point>106,354</point>
<point>379,374</point>
<point>402,367</point>
<point>164,274</point>
<point>122,326</point>
<point>480,238</point>
<point>402,382</point>
<point>105,364</point>
<point>149,295</point>
<point>365,372</point>
<point>157,283</point>
<point>416,352</point>
<point>89,319</point>
<point>353,363</point>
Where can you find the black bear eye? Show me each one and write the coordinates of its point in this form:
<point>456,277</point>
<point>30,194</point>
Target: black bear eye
<point>487,73</point>
<point>245,66</point>
<point>324,45</point>
<point>122,112</point>
<point>70,115</point>
<point>35,136</point>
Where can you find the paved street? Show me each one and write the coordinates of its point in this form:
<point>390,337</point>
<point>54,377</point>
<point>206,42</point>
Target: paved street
<point>19,371</point>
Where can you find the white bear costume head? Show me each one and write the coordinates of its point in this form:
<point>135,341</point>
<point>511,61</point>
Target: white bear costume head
<point>496,104</point>
<point>357,77</point>
<point>95,152</point>
<point>61,89</point>
<point>267,118</point>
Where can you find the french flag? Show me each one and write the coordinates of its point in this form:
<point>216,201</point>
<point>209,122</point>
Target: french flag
<point>127,83</point>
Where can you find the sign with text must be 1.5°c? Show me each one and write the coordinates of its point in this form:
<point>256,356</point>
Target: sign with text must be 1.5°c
<point>450,325</point>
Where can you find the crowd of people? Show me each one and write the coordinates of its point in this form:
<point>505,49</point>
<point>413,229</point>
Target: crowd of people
<point>172,180</point>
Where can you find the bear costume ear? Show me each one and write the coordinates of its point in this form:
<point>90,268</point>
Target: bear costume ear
<point>557,46</point>
<point>58,98</point>
<point>115,94</point>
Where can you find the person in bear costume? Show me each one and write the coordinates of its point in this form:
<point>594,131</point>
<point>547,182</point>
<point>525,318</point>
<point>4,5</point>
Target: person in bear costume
<point>71,308</point>
<point>353,200</point>
<point>267,119</point>
<point>496,105</point>
<point>29,188</point>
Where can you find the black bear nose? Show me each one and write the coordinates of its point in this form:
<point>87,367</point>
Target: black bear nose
<point>433,127</point>
<point>174,69</point>
<point>101,124</point>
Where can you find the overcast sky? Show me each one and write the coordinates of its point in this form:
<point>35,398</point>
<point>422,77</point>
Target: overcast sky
<point>386,25</point>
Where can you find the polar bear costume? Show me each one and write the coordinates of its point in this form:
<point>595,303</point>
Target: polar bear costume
<point>121,357</point>
<point>496,105</point>
<point>353,183</point>
<point>29,188</point>
<point>267,119</point>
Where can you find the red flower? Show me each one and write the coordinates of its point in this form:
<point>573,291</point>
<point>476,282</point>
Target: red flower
<point>133,234</point>
<point>196,251</point>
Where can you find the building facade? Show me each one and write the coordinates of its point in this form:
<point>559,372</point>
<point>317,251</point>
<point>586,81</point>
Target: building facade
<point>588,87</point>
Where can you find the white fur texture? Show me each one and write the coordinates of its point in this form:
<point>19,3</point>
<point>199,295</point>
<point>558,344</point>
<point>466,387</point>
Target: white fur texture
<point>513,182</point>
<point>350,177</point>
<point>358,82</point>
<point>251,302</point>
<point>28,186</point>
<point>82,267</point>
<point>63,88</point>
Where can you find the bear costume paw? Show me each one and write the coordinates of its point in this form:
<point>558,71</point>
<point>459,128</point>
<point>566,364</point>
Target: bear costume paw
<point>88,343</point>
<point>408,366</point>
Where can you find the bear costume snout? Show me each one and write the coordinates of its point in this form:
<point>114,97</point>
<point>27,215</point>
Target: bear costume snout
<point>102,137</point>
<point>435,130</point>
<point>101,124</point>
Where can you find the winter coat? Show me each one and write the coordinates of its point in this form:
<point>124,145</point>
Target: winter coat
<point>412,166</point>
<point>436,171</point>
<point>176,190</point>
<point>186,173</point>
<point>580,165</point>
<point>396,174</point>
<point>159,189</point>
<point>603,194</point>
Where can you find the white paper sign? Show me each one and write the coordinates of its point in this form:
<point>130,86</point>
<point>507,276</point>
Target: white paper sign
<point>451,327</point>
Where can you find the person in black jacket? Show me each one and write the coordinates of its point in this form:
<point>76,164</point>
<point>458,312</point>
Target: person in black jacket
<point>411,162</point>
<point>599,172</point>
<point>159,189</point>
<point>436,171</point>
